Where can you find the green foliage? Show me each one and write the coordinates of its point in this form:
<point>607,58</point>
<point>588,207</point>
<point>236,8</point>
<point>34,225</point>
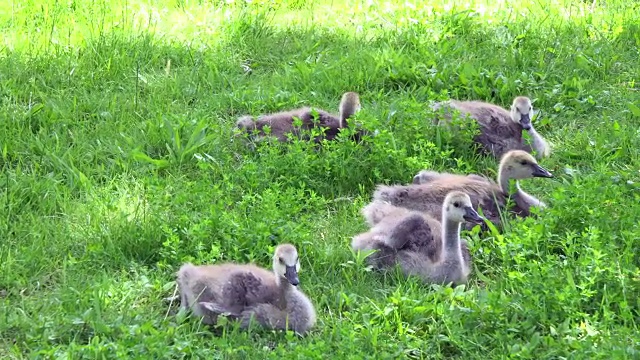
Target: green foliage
<point>119,163</point>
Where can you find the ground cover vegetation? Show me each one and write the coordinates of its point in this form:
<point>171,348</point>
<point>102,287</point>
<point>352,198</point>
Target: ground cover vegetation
<point>119,164</point>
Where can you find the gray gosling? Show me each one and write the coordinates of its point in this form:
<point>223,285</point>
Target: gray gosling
<point>384,218</point>
<point>421,245</point>
<point>282,123</point>
<point>500,130</point>
<point>491,197</point>
<point>249,293</point>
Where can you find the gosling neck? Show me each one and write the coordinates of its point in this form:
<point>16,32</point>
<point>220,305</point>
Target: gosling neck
<point>451,234</point>
<point>284,290</point>
<point>540,145</point>
<point>451,240</point>
<point>504,180</point>
<point>346,111</point>
<point>522,198</point>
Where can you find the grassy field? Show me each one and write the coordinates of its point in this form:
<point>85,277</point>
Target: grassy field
<point>118,165</point>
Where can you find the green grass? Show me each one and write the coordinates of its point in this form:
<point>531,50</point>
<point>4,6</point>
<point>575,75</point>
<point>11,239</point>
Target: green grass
<point>118,165</point>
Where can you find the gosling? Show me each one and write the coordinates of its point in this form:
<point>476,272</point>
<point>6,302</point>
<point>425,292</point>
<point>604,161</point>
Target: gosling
<point>281,124</point>
<point>490,196</point>
<point>249,293</point>
<point>500,130</point>
<point>421,245</point>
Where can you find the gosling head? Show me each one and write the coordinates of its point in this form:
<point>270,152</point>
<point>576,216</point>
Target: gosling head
<point>286,263</point>
<point>457,207</point>
<point>522,111</point>
<point>518,164</point>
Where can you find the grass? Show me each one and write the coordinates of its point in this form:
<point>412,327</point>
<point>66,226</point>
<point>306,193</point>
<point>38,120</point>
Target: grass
<point>118,165</point>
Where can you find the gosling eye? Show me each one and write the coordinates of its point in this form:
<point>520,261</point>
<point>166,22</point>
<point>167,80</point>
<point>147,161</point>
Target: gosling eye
<point>530,108</point>
<point>523,162</point>
<point>281,261</point>
<point>456,204</point>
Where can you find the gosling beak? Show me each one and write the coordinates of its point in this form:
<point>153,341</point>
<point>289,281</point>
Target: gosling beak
<point>525,121</point>
<point>472,216</point>
<point>292,275</point>
<point>539,171</point>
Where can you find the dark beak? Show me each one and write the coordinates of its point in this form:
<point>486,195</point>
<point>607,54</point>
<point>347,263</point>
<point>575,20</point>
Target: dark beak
<point>292,275</point>
<point>472,216</point>
<point>525,121</point>
<point>539,171</point>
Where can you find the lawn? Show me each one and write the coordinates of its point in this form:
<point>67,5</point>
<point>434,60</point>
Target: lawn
<point>119,164</point>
